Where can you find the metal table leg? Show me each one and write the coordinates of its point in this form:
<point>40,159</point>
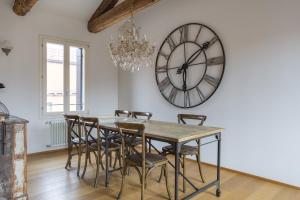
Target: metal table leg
<point>177,166</point>
<point>106,133</point>
<point>218,191</point>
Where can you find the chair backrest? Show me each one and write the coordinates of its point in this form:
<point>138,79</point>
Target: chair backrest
<point>90,123</point>
<point>138,115</point>
<point>120,113</point>
<point>134,129</point>
<point>73,124</point>
<point>183,117</point>
<point>200,118</point>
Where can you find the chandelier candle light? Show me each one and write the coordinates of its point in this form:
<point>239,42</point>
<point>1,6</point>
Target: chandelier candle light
<point>129,51</point>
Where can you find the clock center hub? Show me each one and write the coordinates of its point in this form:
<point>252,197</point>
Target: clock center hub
<point>185,66</point>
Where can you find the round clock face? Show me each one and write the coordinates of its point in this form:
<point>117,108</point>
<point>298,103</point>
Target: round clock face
<point>190,65</point>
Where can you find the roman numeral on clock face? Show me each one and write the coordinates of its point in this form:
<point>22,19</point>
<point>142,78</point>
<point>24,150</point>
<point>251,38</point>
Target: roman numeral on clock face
<point>173,95</point>
<point>212,41</point>
<point>211,80</point>
<point>161,69</point>
<point>201,95</point>
<point>187,99</point>
<point>166,56</point>
<point>198,33</point>
<point>164,84</point>
<point>184,33</point>
<point>171,43</point>
<point>215,61</point>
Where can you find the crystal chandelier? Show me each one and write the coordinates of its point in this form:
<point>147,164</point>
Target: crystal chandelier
<point>130,52</point>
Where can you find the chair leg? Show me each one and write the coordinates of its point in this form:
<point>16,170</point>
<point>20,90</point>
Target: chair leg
<point>139,173</point>
<point>79,163</point>
<point>150,145</point>
<point>116,158</point>
<point>184,172</point>
<point>148,171</point>
<point>97,171</point>
<point>85,163</point>
<point>101,161</point>
<point>199,166</point>
<point>120,158</point>
<point>90,160</point>
<point>161,171</point>
<point>123,180</point>
<point>142,186</point>
<point>166,173</point>
<point>68,164</point>
<point>110,159</point>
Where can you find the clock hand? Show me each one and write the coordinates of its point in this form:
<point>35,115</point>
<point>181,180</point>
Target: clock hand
<point>184,52</point>
<point>195,55</point>
<point>174,67</point>
<point>179,69</point>
<point>184,79</point>
<point>200,63</point>
<point>184,67</point>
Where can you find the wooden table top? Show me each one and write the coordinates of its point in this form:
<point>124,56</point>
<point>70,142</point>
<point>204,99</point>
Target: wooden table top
<point>161,130</point>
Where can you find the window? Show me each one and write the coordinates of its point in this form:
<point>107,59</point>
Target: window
<point>63,76</point>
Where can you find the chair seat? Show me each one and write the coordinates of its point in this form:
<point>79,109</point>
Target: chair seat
<point>76,140</point>
<point>111,146</point>
<point>185,150</point>
<point>130,141</point>
<point>151,159</point>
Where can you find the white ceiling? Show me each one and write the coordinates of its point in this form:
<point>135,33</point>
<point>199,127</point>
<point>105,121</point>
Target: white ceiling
<point>78,9</point>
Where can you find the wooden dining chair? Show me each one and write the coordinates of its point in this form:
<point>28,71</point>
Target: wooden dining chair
<point>90,124</point>
<point>143,162</point>
<point>187,150</point>
<point>136,140</point>
<point>121,113</point>
<point>143,115</point>
<point>74,140</point>
<point>115,137</point>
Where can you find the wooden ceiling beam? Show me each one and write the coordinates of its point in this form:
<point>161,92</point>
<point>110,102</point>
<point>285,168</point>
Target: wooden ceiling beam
<point>116,14</point>
<point>21,7</point>
<point>105,6</point>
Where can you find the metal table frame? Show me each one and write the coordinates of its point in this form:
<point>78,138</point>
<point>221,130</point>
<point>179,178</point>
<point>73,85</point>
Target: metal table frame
<point>177,146</point>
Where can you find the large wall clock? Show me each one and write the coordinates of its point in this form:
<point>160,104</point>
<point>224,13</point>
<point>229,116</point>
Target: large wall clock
<point>190,65</point>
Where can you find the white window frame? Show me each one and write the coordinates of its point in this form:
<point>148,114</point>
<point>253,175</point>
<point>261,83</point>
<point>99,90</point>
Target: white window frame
<point>43,74</point>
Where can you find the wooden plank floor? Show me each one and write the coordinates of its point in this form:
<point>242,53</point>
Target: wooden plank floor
<point>49,180</point>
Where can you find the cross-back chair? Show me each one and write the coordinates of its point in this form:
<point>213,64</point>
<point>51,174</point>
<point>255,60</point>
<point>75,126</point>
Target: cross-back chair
<point>143,115</point>
<point>135,141</point>
<point>187,150</point>
<point>143,162</point>
<point>118,113</point>
<point>90,124</point>
<point>74,140</point>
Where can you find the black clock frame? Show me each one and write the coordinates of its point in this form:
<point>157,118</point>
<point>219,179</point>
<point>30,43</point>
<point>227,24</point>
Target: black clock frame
<point>221,77</point>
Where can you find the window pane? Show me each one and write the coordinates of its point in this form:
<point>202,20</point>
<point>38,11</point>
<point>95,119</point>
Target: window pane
<point>76,79</point>
<point>55,77</point>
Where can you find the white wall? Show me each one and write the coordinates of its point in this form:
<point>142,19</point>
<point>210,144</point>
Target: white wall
<point>257,101</point>
<point>20,70</point>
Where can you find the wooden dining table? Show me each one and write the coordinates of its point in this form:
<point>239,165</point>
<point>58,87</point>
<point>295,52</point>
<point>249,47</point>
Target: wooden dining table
<point>172,133</point>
